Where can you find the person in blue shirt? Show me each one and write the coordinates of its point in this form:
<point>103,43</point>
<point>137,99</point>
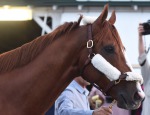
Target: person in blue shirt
<point>74,101</point>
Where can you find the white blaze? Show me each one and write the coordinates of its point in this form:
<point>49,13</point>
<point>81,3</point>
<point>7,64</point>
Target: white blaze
<point>127,61</point>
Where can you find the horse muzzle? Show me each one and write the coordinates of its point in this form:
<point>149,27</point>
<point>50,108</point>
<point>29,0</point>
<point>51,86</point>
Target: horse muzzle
<point>130,103</point>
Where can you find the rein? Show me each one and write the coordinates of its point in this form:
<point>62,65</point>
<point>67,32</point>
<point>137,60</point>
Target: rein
<point>88,61</point>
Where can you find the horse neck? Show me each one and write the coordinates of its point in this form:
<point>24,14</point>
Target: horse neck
<point>64,59</point>
<point>43,79</point>
<point>61,63</point>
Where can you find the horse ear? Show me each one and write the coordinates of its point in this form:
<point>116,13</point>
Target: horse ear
<point>103,15</point>
<point>112,19</point>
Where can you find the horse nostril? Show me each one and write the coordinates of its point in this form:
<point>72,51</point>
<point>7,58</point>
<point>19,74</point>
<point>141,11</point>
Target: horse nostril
<point>137,97</point>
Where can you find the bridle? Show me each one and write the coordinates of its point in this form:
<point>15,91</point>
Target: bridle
<point>88,61</point>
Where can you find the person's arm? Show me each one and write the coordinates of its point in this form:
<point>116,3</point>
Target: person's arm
<point>141,48</point>
<point>141,42</point>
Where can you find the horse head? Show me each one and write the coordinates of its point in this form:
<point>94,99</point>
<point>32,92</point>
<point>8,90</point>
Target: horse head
<point>104,64</point>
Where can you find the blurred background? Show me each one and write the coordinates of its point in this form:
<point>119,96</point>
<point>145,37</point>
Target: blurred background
<point>23,20</point>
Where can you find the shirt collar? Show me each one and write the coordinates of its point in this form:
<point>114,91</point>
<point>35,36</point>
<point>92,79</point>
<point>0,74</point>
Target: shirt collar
<point>79,88</point>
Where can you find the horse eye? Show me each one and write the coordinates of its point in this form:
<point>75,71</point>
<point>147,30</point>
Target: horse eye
<point>109,49</point>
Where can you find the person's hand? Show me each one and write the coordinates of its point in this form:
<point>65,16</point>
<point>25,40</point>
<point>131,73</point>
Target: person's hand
<point>140,29</point>
<point>102,111</point>
<point>96,101</point>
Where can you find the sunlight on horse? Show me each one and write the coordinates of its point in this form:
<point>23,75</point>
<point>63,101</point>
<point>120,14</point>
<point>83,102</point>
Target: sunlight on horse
<point>33,75</point>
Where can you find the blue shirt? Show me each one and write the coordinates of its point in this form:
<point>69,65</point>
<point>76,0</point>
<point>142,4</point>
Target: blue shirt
<point>73,101</point>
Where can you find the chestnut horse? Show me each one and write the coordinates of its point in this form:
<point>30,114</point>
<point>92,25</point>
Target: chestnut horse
<point>33,75</point>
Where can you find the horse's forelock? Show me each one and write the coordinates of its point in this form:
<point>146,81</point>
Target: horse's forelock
<point>106,30</point>
<point>103,31</point>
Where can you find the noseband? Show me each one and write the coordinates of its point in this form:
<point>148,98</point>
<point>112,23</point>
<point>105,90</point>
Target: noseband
<point>88,61</point>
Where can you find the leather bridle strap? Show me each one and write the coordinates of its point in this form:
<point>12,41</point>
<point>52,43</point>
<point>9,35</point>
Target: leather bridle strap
<point>111,84</point>
<point>89,47</point>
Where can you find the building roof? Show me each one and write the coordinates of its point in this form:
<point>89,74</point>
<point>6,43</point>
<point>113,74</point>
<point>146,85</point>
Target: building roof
<point>71,3</point>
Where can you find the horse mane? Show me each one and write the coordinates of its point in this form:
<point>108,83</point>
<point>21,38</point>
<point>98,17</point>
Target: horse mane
<point>26,53</point>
